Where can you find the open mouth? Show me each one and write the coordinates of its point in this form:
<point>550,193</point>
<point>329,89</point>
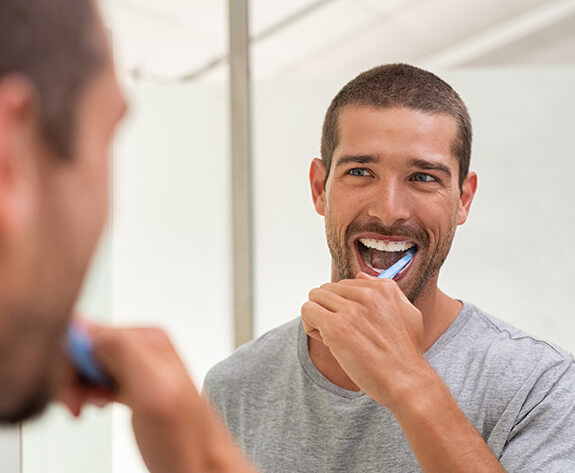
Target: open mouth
<point>378,254</point>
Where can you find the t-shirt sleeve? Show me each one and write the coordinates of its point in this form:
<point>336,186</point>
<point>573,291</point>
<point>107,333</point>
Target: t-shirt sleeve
<point>211,389</point>
<point>543,438</point>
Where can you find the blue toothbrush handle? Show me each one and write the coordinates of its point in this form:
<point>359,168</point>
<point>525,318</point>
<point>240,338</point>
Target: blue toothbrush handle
<point>394,269</point>
<point>80,349</point>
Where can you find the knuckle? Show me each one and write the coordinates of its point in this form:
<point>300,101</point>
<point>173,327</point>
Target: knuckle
<point>387,283</point>
<point>314,293</point>
<point>154,336</point>
<point>306,307</point>
<point>108,340</point>
<point>327,335</point>
<point>159,335</point>
<point>387,286</point>
<point>368,294</point>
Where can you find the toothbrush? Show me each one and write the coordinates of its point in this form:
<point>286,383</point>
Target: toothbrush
<point>80,350</point>
<point>393,270</point>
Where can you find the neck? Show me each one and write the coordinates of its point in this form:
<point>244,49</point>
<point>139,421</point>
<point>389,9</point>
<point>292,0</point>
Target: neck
<point>438,311</point>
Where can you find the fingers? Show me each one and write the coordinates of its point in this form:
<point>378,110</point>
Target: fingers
<point>148,372</point>
<point>329,297</point>
<point>75,395</point>
<point>119,349</point>
<point>313,317</point>
<point>352,290</point>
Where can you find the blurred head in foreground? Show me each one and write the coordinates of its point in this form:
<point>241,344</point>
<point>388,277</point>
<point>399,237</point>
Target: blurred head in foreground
<point>60,103</point>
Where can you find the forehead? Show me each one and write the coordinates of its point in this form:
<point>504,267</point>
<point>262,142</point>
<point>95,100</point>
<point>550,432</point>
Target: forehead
<point>398,131</point>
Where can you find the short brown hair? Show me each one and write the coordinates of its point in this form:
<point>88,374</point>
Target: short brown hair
<point>56,45</point>
<point>400,85</point>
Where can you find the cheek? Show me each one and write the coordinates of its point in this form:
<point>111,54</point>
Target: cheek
<point>439,221</point>
<point>446,226</point>
<point>336,218</point>
<point>97,179</point>
<point>90,201</point>
<point>346,204</point>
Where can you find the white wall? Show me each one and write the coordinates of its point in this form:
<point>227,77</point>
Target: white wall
<point>171,242</point>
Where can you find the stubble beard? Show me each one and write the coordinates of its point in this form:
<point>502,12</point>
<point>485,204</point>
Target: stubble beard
<point>31,357</point>
<point>31,406</point>
<point>430,259</point>
<point>27,383</point>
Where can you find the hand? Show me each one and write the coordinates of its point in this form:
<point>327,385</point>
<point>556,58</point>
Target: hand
<point>376,336</point>
<point>372,330</point>
<point>175,428</point>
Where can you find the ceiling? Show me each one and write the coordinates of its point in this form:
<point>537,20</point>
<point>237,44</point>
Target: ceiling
<point>177,40</point>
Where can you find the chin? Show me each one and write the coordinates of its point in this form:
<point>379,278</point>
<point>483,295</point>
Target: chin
<point>15,408</point>
<point>29,376</point>
<point>25,410</point>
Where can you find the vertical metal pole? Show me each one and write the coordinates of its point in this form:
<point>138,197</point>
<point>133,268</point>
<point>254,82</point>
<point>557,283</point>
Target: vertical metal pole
<point>239,56</point>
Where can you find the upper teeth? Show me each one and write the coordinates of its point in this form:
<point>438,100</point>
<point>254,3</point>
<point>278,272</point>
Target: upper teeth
<point>383,245</point>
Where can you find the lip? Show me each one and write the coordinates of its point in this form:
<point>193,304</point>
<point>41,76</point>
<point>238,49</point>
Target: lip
<point>375,236</point>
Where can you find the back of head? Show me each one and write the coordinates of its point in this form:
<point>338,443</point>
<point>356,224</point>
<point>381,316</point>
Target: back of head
<point>56,45</point>
<point>400,85</point>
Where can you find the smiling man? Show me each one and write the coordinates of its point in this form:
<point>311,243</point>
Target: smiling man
<point>395,375</point>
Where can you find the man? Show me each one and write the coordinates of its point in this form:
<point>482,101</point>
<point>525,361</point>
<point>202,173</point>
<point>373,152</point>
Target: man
<point>59,106</point>
<point>394,375</point>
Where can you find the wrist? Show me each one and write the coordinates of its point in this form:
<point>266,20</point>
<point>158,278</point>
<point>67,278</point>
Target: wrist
<point>416,392</point>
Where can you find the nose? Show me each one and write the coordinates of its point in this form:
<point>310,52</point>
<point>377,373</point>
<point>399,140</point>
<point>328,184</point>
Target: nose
<point>389,203</point>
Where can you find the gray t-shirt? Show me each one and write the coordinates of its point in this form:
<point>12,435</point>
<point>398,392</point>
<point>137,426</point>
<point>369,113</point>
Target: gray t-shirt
<point>518,392</point>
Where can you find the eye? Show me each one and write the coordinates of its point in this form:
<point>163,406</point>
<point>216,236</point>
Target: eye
<point>423,177</point>
<point>359,172</point>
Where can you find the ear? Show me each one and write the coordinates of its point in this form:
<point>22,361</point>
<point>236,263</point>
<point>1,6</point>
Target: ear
<point>17,119</point>
<point>467,193</point>
<point>317,174</point>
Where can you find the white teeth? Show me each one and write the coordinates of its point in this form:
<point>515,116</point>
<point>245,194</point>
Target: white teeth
<point>383,245</point>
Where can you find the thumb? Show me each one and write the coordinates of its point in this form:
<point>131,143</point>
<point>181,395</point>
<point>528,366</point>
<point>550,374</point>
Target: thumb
<point>366,277</point>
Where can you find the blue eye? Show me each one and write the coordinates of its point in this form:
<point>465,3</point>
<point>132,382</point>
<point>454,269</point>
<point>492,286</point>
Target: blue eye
<point>422,177</point>
<point>359,172</point>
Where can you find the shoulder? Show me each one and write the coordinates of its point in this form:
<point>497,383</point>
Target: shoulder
<point>502,350</point>
<point>501,337</point>
<point>256,360</point>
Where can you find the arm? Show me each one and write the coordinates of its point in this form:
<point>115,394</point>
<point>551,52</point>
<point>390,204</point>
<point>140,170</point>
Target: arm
<point>176,430</point>
<point>376,336</point>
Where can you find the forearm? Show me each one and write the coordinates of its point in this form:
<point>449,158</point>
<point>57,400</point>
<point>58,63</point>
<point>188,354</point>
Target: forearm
<point>441,437</point>
<point>194,440</point>
<point>224,455</point>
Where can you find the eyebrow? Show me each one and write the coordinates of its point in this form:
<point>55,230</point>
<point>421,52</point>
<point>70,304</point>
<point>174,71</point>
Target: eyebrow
<point>430,166</point>
<point>359,159</point>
